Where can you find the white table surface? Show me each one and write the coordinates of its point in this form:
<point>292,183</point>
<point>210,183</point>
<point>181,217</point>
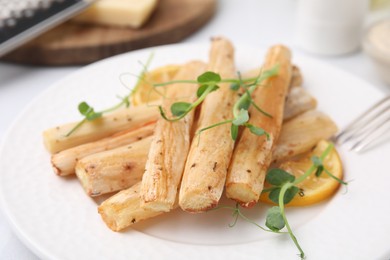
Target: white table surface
<point>256,22</point>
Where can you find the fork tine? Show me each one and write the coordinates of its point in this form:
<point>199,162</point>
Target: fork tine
<point>364,141</point>
<point>369,125</point>
<point>362,121</point>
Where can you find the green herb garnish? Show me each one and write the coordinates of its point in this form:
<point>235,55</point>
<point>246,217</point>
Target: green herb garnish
<point>237,213</point>
<point>208,82</point>
<point>89,112</point>
<point>284,189</point>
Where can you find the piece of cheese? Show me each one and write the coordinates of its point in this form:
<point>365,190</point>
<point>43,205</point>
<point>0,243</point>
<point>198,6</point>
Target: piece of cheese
<point>130,13</point>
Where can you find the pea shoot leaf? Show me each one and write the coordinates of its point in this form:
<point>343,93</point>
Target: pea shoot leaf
<point>204,87</point>
<point>234,131</point>
<point>245,103</point>
<point>288,196</point>
<point>256,130</point>
<point>319,171</point>
<point>278,177</point>
<point>242,117</point>
<point>274,220</point>
<point>209,77</point>
<point>180,108</point>
<point>274,195</point>
<point>88,111</point>
<point>234,86</point>
<point>84,108</point>
<point>317,161</point>
<point>92,115</point>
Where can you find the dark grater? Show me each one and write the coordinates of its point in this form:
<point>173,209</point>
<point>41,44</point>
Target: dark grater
<point>23,20</point>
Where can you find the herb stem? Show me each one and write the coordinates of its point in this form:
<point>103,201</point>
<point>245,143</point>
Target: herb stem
<point>174,119</point>
<point>237,80</point>
<point>163,84</point>
<point>237,213</point>
<point>242,100</point>
<point>125,101</point>
<point>114,107</point>
<point>334,177</point>
<point>305,175</point>
<point>313,166</point>
<point>260,110</point>
<point>203,96</point>
<point>257,225</point>
<point>249,90</point>
<point>209,89</point>
<point>285,187</point>
<point>141,77</point>
<point>79,124</point>
<point>214,125</point>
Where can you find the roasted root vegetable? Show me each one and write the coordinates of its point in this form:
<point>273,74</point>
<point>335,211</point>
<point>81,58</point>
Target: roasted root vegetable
<point>297,102</point>
<point>118,218</point>
<point>113,170</point>
<point>252,154</point>
<point>64,162</point>
<point>123,209</point>
<point>292,142</point>
<point>170,145</point>
<point>206,167</point>
<point>57,139</point>
<point>302,133</point>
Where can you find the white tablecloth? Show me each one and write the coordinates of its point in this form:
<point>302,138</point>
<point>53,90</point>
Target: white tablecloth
<point>256,22</point>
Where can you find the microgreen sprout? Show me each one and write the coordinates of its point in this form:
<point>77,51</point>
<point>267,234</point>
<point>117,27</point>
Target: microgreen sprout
<point>318,162</point>
<point>237,213</point>
<point>89,112</point>
<point>208,82</point>
<point>241,107</point>
<point>283,190</point>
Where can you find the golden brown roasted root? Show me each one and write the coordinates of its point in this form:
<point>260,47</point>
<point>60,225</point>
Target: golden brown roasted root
<point>113,170</point>
<point>205,170</point>
<point>55,139</point>
<point>302,133</point>
<point>64,162</point>
<point>123,209</point>
<point>292,141</point>
<point>298,101</point>
<point>296,79</point>
<point>252,154</point>
<point>170,145</point>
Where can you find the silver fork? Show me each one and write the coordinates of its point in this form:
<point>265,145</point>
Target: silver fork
<point>368,127</point>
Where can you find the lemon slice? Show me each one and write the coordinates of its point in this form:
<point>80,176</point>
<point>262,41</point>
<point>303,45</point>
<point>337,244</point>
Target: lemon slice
<point>313,189</point>
<point>145,92</point>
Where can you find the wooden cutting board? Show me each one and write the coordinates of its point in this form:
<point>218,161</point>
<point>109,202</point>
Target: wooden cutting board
<point>72,43</point>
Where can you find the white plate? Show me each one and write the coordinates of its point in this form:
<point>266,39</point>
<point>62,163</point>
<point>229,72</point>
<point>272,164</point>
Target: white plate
<point>54,217</point>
